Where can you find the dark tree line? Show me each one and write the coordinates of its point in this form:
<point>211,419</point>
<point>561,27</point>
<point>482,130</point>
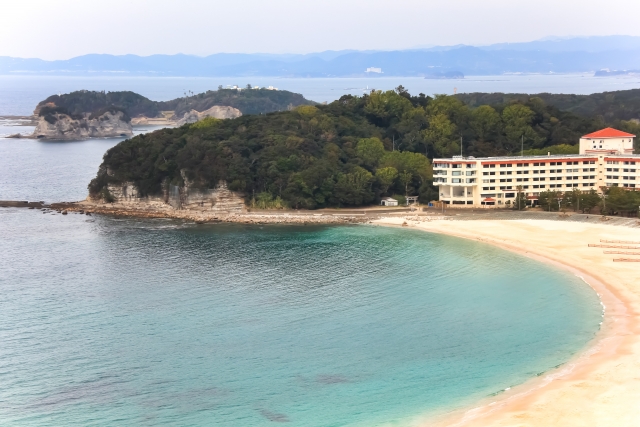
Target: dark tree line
<point>253,101</point>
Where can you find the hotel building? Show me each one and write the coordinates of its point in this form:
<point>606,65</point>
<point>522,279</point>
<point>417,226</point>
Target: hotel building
<point>606,159</point>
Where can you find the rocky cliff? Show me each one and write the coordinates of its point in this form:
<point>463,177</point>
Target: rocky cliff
<point>63,126</point>
<point>216,200</point>
<point>217,111</point>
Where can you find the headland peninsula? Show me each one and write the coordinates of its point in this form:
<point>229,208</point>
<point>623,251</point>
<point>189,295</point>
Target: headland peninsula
<point>91,114</point>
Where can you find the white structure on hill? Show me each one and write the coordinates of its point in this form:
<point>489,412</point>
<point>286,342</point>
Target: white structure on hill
<point>494,181</point>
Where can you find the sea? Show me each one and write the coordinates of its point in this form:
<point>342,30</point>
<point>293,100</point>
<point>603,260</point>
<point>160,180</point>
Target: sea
<point>112,321</point>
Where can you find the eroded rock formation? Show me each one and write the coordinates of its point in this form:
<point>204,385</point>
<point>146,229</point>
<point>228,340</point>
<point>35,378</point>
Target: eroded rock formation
<point>217,111</point>
<point>61,126</point>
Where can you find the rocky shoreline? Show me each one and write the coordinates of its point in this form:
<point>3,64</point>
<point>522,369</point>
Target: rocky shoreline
<point>203,217</point>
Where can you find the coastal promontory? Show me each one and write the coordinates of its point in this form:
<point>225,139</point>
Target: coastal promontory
<point>90,114</point>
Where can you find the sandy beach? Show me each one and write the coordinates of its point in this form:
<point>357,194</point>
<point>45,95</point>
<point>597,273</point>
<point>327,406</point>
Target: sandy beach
<point>601,385</point>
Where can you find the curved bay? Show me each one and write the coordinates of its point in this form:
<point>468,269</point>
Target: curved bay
<point>154,322</point>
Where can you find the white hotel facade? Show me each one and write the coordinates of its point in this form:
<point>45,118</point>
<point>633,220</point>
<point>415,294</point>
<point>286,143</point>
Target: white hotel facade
<point>606,159</point>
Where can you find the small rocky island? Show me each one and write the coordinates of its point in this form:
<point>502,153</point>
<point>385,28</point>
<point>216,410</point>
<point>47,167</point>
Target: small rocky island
<point>90,114</point>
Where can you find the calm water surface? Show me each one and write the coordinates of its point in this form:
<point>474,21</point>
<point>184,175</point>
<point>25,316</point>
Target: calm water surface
<point>130,322</point>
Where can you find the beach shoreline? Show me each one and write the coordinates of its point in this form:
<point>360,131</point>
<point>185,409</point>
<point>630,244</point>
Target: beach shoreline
<point>598,386</point>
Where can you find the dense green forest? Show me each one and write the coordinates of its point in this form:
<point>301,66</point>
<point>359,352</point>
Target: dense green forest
<point>253,101</point>
<point>347,153</point>
<point>85,101</point>
<point>610,107</point>
<point>248,101</point>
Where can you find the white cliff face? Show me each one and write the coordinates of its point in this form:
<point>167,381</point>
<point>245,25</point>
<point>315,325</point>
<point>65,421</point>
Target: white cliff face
<point>217,111</point>
<point>216,200</point>
<point>108,125</point>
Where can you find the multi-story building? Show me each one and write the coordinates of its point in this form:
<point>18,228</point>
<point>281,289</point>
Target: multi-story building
<point>606,159</point>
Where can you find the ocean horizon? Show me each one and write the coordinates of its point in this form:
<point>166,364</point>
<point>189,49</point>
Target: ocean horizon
<point>19,94</point>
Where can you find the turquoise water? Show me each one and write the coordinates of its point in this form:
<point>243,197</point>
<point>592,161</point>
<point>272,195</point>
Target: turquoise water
<point>109,322</point>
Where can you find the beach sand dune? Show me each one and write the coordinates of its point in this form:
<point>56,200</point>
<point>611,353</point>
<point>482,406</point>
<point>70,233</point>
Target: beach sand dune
<point>600,386</point>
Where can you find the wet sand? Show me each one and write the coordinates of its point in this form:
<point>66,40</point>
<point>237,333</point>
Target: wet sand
<point>601,385</point>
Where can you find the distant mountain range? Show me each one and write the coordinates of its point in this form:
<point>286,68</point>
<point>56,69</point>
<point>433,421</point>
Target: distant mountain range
<point>579,54</point>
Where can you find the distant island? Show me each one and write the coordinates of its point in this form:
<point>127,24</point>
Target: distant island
<point>354,151</point>
<point>91,114</point>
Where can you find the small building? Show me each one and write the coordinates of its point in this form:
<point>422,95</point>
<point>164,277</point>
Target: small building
<point>388,201</point>
<point>376,70</point>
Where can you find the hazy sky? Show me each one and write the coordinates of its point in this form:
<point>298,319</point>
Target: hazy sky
<point>60,29</point>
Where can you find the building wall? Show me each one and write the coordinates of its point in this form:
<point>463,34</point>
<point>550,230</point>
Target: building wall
<point>606,145</point>
<point>469,181</point>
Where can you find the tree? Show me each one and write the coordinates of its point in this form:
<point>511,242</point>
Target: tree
<point>386,177</point>
<point>485,121</point>
<point>415,163</point>
<point>440,136</point>
<point>549,200</point>
<point>589,201</point>
<point>370,151</point>
<point>405,179</point>
<point>353,188</point>
<point>517,122</point>
<point>386,106</point>
<point>520,202</point>
<point>621,200</point>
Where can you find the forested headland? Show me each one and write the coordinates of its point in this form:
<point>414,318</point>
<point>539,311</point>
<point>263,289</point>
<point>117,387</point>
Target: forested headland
<point>350,152</point>
<point>248,101</point>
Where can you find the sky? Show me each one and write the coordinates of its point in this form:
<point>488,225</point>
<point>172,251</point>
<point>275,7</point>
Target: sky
<point>62,29</point>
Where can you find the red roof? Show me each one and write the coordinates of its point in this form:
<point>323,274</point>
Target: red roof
<point>609,133</point>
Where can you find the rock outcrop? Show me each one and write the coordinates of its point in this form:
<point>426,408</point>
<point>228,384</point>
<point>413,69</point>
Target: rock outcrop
<point>217,111</point>
<point>61,126</point>
<point>217,200</point>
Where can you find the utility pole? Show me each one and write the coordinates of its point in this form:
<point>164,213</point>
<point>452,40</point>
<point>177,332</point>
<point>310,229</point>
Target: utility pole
<point>460,146</point>
<point>522,146</point>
